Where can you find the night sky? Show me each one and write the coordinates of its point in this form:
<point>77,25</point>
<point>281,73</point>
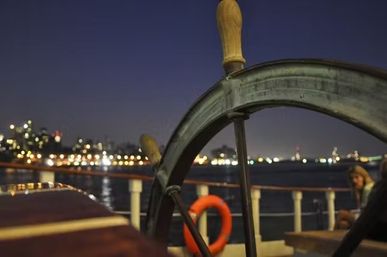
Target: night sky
<point>118,69</point>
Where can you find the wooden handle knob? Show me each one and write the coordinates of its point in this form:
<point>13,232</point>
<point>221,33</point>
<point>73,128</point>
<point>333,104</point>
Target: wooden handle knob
<point>229,19</point>
<point>151,149</point>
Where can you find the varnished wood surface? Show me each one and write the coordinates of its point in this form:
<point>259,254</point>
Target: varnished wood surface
<point>326,242</point>
<point>107,242</point>
<point>44,207</point>
<point>55,207</point>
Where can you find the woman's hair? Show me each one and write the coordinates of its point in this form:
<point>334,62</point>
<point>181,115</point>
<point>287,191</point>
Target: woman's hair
<point>359,170</point>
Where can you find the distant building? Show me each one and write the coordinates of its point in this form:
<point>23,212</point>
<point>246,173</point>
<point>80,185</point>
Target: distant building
<point>224,152</point>
<point>297,155</point>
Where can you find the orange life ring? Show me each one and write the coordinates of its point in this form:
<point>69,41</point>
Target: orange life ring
<point>196,209</point>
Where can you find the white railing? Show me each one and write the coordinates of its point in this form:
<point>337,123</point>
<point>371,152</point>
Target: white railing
<point>135,189</point>
<point>297,197</point>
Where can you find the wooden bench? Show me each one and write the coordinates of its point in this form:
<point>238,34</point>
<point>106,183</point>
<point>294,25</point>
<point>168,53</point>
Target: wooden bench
<point>326,242</point>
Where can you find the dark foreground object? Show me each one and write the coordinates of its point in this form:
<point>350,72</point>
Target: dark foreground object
<point>371,224</point>
<point>65,222</point>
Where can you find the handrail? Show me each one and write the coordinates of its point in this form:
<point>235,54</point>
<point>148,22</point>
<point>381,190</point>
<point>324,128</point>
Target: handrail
<point>149,178</point>
<point>305,189</point>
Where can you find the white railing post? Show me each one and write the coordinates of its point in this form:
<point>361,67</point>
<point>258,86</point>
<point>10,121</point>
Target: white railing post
<point>297,197</point>
<point>46,176</point>
<point>255,197</point>
<point>330,196</point>
<point>202,190</point>
<point>135,188</point>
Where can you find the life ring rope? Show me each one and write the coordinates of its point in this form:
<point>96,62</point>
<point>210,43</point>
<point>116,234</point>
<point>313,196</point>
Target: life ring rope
<point>196,209</point>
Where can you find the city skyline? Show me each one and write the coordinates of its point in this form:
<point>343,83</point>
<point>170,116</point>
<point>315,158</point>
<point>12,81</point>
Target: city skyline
<point>31,138</point>
<point>26,145</point>
<point>93,69</point>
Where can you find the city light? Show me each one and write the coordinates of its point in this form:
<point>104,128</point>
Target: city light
<point>57,139</point>
<point>50,162</point>
<point>24,145</point>
<point>106,161</point>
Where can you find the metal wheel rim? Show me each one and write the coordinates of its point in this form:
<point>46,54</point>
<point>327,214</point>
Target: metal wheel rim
<point>355,94</point>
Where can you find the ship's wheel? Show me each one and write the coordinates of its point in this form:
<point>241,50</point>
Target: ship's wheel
<point>352,93</point>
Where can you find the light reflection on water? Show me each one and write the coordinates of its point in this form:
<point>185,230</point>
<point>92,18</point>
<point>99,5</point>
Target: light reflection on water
<point>106,196</point>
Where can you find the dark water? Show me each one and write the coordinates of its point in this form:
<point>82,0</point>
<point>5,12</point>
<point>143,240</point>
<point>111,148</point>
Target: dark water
<point>276,207</point>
